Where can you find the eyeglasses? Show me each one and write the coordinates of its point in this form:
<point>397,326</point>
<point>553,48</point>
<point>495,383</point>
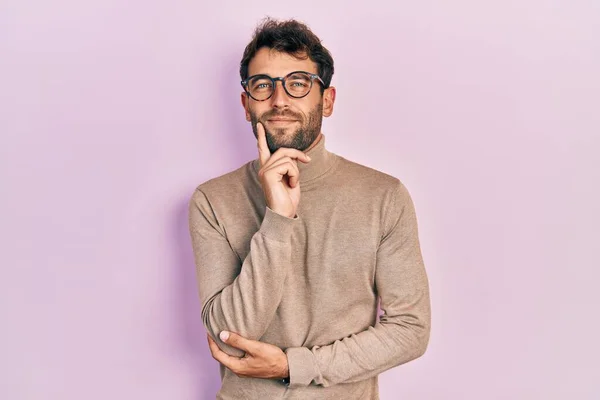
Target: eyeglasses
<point>296,84</point>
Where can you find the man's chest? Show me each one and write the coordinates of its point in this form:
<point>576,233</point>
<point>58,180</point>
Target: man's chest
<point>336,235</point>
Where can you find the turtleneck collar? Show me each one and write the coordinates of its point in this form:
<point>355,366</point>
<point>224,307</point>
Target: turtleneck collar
<point>320,162</point>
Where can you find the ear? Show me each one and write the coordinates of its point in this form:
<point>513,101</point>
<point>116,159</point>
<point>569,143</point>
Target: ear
<point>245,100</point>
<point>328,100</point>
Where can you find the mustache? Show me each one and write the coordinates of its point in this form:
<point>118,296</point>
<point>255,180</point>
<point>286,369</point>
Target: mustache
<point>272,114</point>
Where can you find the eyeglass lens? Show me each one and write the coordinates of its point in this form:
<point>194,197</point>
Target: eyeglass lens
<point>297,85</point>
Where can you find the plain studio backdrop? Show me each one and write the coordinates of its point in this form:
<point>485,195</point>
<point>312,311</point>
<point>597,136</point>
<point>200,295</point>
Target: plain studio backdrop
<point>112,112</point>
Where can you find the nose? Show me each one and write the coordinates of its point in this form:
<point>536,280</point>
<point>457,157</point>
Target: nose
<point>280,98</point>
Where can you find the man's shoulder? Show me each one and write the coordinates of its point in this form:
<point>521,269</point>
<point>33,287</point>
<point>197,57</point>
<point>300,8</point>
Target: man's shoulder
<point>228,183</point>
<point>372,185</point>
<point>367,177</point>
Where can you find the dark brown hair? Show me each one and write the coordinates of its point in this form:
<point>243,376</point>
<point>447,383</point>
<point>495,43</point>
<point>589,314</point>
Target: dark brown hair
<point>291,37</point>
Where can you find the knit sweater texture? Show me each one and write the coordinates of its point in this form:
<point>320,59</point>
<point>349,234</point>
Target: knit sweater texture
<point>311,284</point>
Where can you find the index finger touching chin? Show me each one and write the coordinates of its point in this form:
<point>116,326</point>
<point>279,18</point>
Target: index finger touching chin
<point>263,148</point>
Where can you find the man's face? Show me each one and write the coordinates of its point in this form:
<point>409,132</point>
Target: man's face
<point>288,122</point>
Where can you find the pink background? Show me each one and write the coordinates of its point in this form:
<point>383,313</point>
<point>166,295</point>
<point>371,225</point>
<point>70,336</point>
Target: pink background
<point>112,112</point>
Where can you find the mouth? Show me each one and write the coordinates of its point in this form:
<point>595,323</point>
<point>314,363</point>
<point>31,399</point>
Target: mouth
<point>281,121</point>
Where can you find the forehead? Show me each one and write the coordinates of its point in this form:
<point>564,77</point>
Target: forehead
<point>275,63</point>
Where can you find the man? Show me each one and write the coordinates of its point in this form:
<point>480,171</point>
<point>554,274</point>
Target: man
<point>294,249</point>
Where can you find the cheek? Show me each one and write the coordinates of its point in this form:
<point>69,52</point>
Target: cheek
<point>257,109</point>
<point>315,107</point>
<point>315,103</point>
<point>305,107</point>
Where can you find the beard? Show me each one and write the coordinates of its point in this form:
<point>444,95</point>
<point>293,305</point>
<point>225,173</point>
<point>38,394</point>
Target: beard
<point>300,139</point>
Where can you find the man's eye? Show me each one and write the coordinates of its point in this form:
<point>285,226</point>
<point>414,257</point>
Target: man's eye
<point>263,85</point>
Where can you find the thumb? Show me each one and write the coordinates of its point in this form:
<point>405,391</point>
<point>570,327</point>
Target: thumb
<point>235,340</point>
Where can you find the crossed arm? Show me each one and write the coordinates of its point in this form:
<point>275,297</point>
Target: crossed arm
<point>243,299</point>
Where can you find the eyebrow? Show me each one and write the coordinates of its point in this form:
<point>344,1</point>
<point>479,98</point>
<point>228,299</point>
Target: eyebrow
<point>271,76</point>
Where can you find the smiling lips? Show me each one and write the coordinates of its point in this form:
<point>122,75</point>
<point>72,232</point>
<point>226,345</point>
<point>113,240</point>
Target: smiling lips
<point>281,120</point>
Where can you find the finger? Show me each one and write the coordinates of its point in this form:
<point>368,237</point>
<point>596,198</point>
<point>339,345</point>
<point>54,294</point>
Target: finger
<point>287,167</point>
<point>287,152</point>
<point>284,160</point>
<point>239,342</point>
<point>294,180</point>
<point>220,355</point>
<point>263,148</point>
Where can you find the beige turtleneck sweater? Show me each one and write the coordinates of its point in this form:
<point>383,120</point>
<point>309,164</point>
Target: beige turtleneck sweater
<point>310,285</point>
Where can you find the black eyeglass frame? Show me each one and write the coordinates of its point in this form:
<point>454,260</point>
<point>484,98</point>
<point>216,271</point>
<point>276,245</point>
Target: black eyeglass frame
<point>282,79</point>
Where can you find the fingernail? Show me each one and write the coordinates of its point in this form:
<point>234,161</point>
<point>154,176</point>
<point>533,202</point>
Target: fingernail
<point>224,335</point>
<point>308,157</point>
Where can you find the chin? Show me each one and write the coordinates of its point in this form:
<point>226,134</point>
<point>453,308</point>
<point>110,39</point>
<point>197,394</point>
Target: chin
<point>287,144</point>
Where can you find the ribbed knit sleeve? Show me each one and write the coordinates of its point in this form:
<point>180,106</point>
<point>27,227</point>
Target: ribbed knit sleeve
<point>239,296</point>
<point>402,333</point>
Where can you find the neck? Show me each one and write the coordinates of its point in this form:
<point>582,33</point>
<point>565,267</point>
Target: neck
<point>315,142</point>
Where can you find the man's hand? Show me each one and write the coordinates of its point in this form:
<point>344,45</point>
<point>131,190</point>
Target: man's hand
<point>262,360</point>
<point>281,194</point>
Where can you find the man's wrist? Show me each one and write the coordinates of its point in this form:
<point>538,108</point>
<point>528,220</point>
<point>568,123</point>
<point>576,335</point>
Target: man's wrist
<point>284,375</point>
<point>285,368</point>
